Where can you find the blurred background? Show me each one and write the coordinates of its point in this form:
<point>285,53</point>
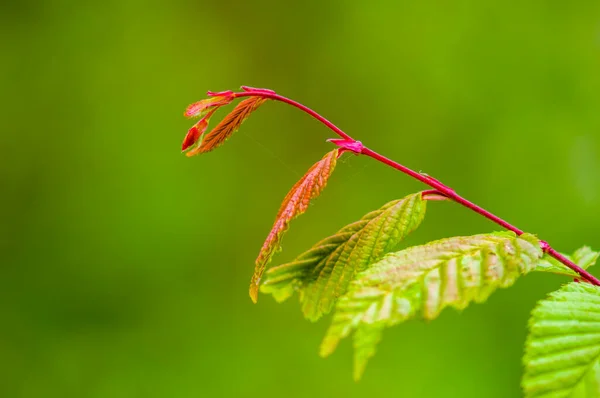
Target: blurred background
<point>124,265</point>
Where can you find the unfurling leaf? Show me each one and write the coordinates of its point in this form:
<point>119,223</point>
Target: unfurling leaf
<point>200,108</point>
<point>421,281</point>
<point>196,132</point>
<point>222,131</point>
<point>295,203</point>
<point>562,353</point>
<point>584,257</point>
<point>323,273</point>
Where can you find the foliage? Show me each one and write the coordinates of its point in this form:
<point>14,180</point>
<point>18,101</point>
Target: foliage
<point>295,203</point>
<point>422,280</point>
<point>217,136</point>
<point>323,273</point>
<point>584,257</point>
<point>371,286</point>
<point>562,353</point>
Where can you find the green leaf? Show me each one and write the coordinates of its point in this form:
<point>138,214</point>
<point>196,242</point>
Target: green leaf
<point>323,273</point>
<point>562,353</point>
<point>584,257</point>
<point>421,281</point>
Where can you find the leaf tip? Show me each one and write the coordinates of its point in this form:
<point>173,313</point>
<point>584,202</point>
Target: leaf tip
<point>328,346</point>
<point>359,370</point>
<point>191,137</point>
<point>253,291</point>
<point>195,133</point>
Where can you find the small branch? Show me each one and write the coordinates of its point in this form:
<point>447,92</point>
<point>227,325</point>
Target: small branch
<point>446,191</point>
<point>349,144</point>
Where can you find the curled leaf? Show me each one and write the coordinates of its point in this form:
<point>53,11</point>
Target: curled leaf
<point>434,195</point>
<point>251,89</point>
<point>295,203</point>
<point>230,124</point>
<point>227,93</point>
<point>196,132</point>
<point>200,108</point>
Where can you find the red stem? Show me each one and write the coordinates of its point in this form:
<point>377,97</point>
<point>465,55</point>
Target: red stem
<point>277,97</point>
<point>432,182</point>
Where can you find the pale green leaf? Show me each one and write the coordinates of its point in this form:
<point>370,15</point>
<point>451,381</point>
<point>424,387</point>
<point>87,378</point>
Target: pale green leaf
<point>421,281</point>
<point>584,257</point>
<point>562,353</point>
<point>323,273</point>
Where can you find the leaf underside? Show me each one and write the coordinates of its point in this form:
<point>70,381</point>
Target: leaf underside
<point>323,273</point>
<point>421,281</point>
<point>562,353</point>
<point>295,203</point>
<point>584,257</point>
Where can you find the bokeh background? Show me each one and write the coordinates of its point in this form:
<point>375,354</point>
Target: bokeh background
<point>124,265</point>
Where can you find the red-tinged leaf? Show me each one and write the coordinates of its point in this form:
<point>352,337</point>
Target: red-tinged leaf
<point>295,203</point>
<point>227,93</point>
<point>196,132</point>
<point>200,108</point>
<point>263,90</point>
<point>217,136</point>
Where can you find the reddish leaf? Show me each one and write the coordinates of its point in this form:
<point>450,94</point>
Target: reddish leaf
<point>295,203</point>
<point>196,132</point>
<point>229,124</point>
<point>254,89</point>
<point>200,108</point>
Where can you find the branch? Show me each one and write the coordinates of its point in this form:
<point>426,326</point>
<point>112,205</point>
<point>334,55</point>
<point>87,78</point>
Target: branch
<point>347,143</point>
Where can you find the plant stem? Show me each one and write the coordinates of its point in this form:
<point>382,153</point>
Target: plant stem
<point>432,182</point>
<point>451,194</point>
<point>298,105</point>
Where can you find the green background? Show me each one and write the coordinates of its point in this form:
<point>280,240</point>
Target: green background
<point>124,265</point>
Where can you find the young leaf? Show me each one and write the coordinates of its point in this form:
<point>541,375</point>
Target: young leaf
<point>217,136</point>
<point>562,352</point>
<point>196,131</point>
<point>295,203</point>
<point>323,273</point>
<point>200,108</point>
<point>584,257</point>
<point>422,281</point>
